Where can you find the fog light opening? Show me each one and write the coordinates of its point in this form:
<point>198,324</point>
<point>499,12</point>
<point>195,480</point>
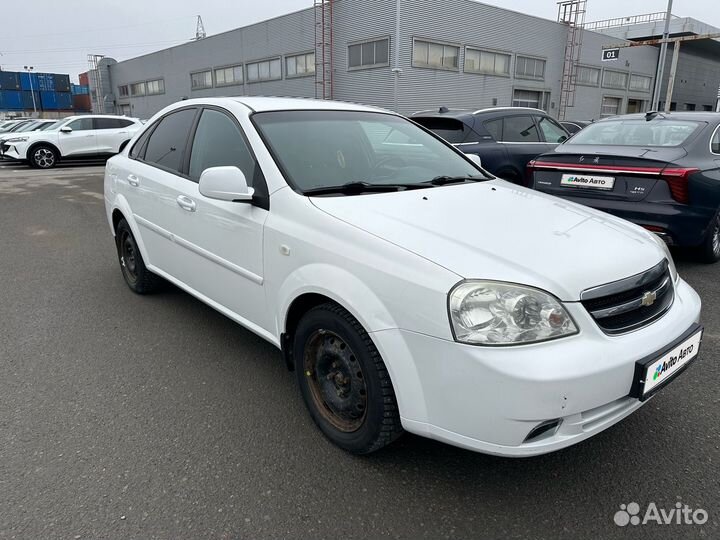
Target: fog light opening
<point>543,430</point>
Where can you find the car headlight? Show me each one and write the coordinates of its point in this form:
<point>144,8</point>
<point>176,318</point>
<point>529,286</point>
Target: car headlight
<point>16,140</point>
<point>496,313</point>
<point>671,263</point>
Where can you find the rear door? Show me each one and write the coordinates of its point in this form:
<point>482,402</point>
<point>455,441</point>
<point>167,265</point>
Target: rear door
<point>521,138</point>
<point>150,184</point>
<point>80,141</point>
<point>111,133</point>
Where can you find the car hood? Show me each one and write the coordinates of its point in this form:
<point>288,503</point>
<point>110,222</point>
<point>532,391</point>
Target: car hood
<point>499,231</point>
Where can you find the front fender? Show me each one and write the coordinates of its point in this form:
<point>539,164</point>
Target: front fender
<point>327,280</point>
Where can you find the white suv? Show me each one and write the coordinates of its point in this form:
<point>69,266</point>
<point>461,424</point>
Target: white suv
<point>71,138</point>
<point>407,288</point>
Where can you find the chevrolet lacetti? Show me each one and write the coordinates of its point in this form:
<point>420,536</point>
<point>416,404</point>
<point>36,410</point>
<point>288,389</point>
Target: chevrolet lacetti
<point>407,288</point>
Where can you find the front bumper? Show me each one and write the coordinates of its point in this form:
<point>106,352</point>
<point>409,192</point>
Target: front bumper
<point>11,152</point>
<point>490,399</point>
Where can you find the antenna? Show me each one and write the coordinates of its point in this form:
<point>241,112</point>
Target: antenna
<point>200,29</point>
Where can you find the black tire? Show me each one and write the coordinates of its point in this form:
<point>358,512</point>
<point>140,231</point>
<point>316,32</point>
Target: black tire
<point>43,157</point>
<point>136,275</point>
<point>338,369</point>
<point>710,249</point>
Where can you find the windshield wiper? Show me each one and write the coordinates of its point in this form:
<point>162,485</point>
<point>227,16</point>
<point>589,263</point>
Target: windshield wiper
<point>443,180</point>
<point>353,188</point>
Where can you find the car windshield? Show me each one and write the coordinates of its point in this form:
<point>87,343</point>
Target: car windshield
<point>327,149</point>
<point>637,132</point>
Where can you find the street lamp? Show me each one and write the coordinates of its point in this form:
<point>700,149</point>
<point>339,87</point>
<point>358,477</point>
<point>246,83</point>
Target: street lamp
<point>29,69</point>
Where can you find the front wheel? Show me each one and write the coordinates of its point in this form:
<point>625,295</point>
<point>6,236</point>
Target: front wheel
<point>344,381</point>
<point>43,157</point>
<point>710,249</point>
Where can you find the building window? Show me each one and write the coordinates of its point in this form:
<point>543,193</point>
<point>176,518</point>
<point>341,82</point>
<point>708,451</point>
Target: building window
<point>490,63</point>
<point>640,83</point>
<point>267,70</point>
<point>201,79</point>
<point>707,108</point>
<point>529,68</point>
<point>300,65</point>
<point>369,54</point>
<point>229,75</point>
<point>155,87</point>
<point>587,76</point>
<point>689,106</point>
<point>137,89</point>
<point>531,98</point>
<point>610,106</point>
<point>124,90</point>
<point>614,79</point>
<point>435,55</point>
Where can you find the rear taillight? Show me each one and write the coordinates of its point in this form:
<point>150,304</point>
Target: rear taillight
<point>529,171</point>
<point>677,179</point>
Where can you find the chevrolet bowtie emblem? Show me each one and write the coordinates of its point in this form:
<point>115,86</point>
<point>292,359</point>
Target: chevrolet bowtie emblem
<point>648,298</point>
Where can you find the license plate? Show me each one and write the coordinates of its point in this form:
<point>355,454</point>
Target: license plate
<point>587,181</point>
<point>658,370</point>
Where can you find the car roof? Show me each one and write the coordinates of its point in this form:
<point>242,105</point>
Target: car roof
<point>701,116</point>
<point>269,103</point>
<point>443,112</point>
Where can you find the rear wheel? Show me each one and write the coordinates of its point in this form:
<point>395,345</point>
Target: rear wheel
<point>710,250</point>
<point>43,157</point>
<point>344,381</point>
<point>137,276</point>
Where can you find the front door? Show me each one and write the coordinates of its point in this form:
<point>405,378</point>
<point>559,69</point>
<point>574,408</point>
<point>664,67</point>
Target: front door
<point>81,140</point>
<point>223,241</point>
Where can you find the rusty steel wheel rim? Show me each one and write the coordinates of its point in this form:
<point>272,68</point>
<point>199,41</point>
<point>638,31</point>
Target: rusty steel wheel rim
<point>336,381</point>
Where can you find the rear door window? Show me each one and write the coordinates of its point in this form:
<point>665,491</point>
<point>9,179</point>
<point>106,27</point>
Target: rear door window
<point>450,129</point>
<point>520,129</point>
<point>166,145</point>
<point>495,128</point>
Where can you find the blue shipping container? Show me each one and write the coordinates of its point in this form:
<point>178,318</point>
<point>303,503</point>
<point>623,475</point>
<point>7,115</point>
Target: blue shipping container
<point>9,80</point>
<point>48,100</point>
<point>46,82</point>
<point>62,82</point>
<point>80,90</point>
<point>27,101</point>
<point>29,81</point>
<point>64,101</point>
<point>12,100</point>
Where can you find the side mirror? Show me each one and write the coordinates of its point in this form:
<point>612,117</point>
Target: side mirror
<point>66,129</point>
<point>225,184</point>
<point>475,159</point>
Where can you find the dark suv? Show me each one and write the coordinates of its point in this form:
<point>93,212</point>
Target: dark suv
<point>505,138</point>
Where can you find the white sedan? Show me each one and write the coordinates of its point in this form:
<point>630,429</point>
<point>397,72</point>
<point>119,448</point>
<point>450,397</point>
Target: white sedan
<point>407,288</point>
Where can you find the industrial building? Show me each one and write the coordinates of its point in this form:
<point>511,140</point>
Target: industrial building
<point>410,55</point>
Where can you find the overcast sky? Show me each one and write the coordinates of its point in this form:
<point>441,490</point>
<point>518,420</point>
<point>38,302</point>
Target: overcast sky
<point>60,39</point>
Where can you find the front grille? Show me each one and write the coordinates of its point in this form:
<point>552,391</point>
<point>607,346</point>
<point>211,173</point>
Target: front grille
<point>631,303</point>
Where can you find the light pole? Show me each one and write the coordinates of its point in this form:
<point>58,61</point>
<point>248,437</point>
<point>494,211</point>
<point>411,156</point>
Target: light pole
<point>661,61</point>
<point>29,69</point>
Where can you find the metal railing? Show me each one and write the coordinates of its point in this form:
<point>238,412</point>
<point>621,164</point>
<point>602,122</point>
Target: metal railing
<point>627,21</point>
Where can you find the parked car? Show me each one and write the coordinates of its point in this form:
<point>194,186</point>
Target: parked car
<point>36,125</point>
<point>74,137</point>
<point>659,170</point>
<point>407,287</point>
<point>13,125</point>
<point>505,138</point>
<point>573,126</point>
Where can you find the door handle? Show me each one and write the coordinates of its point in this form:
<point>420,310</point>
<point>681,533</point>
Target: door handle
<point>186,203</point>
<point>89,136</point>
<point>133,180</point>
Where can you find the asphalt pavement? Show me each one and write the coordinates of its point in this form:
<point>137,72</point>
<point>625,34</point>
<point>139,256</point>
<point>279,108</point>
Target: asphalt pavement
<point>156,417</point>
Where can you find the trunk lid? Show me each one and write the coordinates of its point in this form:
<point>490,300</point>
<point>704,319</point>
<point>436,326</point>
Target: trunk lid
<point>620,173</point>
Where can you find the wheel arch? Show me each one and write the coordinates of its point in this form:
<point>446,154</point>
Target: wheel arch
<point>34,145</point>
<point>121,210</point>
